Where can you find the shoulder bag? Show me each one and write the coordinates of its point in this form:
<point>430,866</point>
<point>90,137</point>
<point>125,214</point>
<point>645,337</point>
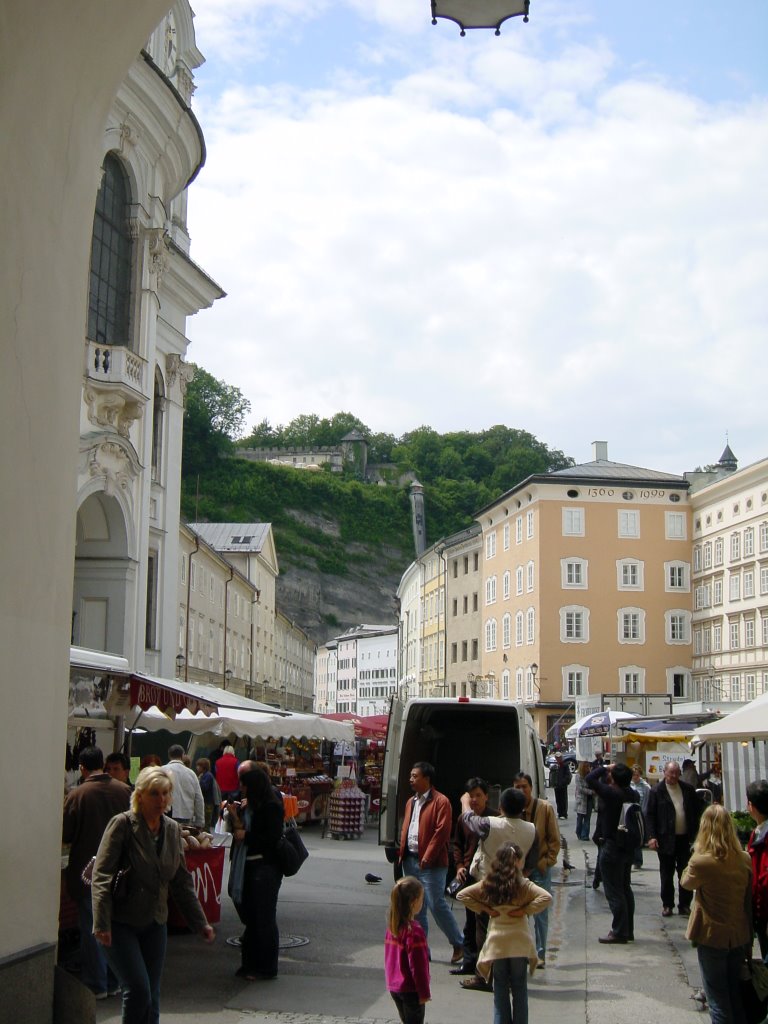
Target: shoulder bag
<point>291,851</point>
<point>121,880</point>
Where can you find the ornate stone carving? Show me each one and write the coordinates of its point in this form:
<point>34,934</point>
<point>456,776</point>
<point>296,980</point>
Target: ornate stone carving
<point>130,132</point>
<point>157,247</point>
<point>115,465</point>
<point>177,369</point>
<point>112,408</point>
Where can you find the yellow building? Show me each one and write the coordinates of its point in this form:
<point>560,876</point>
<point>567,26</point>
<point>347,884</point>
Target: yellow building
<point>587,588</point>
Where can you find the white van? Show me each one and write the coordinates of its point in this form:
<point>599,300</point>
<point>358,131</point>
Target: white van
<point>461,737</point>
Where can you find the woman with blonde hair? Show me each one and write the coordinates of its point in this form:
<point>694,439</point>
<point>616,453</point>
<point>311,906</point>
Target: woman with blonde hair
<point>719,872</point>
<point>133,929</point>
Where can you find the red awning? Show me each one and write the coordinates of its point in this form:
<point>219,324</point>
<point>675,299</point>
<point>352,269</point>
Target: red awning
<point>367,727</point>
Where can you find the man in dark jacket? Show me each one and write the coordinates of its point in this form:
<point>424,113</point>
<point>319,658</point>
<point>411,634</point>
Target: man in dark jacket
<point>88,809</point>
<point>672,818</point>
<point>561,780</point>
<point>612,784</point>
<point>424,852</point>
<point>463,847</point>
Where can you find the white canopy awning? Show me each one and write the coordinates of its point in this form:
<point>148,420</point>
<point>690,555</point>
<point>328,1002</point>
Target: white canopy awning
<point>244,723</point>
<point>748,723</point>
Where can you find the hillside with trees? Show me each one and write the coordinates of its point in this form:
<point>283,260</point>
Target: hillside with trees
<point>342,543</point>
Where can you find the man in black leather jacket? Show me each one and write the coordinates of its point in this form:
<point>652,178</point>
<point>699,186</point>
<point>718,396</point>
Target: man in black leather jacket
<point>672,818</point>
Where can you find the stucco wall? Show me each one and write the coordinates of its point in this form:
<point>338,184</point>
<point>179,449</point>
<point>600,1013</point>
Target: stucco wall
<point>60,65</point>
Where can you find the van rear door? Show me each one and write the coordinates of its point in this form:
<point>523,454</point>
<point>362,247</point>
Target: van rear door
<point>388,807</point>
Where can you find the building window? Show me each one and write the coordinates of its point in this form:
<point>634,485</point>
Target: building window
<point>749,583</point>
<point>573,522</point>
<point>764,621</point>
<point>763,537</point>
<point>465,604</point>
<point>529,525</point>
<point>719,551</point>
<point>697,559</point>
<point>629,523</point>
<point>735,547</point>
<point>111,257</point>
<point>475,562</point>
<point>455,607</point>
<point>475,604</point>
<point>529,577</point>
<point>530,626</point>
<point>764,581</point>
<point>506,584</point>
<point>675,525</point>
<point>474,650</point>
<point>631,679</point>
<point>679,684</point>
<point>717,638</point>
<point>505,536</point>
<point>676,574</point>
<point>574,624</point>
<point>519,580</point>
<point>463,650</point>
<point>717,592</point>
<point>750,687</point>
<point>490,590</point>
<point>150,623</point>
<point>519,629</point>
<point>749,542</point>
<point>678,627</point>
<point>519,684</point>
<point>573,573</point>
<point>574,681</point>
<point>505,684</point>
<point>490,545</point>
<point>733,630</point>
<point>749,632</point>
<point>506,631</point>
<point>735,688</point>
<point>734,586</point>
<point>631,625</point>
<point>454,653</point>
<point>708,555</point>
<point>629,572</point>
<point>519,530</point>
<point>455,568</point>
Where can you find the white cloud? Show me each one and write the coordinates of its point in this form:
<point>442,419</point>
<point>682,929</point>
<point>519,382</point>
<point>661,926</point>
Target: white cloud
<point>572,255</point>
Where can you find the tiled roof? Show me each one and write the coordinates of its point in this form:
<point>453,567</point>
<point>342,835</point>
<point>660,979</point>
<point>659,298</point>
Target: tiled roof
<point>605,470</point>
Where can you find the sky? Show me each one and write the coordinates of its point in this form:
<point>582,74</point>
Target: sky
<point>562,229</point>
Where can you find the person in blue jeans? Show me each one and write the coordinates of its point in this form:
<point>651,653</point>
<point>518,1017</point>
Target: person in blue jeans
<point>720,873</point>
<point>612,785</point>
<point>424,852</point>
<point>508,898</point>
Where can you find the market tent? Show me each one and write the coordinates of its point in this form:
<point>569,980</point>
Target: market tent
<point>367,727</point>
<point>244,723</point>
<point>600,724</point>
<point>748,723</point>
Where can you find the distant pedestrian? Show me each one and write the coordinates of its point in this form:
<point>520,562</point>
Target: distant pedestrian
<point>673,820</point>
<point>508,899</point>
<point>757,847</point>
<point>406,954</point>
<point>643,790</point>
<point>612,785</point>
<point>188,807</point>
<point>583,797</point>
<point>226,770</point>
<point>689,774</point>
<point>561,782</point>
<point>719,871</point>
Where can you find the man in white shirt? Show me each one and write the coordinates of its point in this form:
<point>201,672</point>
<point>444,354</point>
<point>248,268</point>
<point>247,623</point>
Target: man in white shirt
<point>672,818</point>
<point>187,807</point>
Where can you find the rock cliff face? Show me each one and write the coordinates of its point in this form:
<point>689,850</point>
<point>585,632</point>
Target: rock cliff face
<point>325,604</point>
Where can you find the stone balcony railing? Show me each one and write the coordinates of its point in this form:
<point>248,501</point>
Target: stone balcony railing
<point>115,364</point>
<point>115,386</point>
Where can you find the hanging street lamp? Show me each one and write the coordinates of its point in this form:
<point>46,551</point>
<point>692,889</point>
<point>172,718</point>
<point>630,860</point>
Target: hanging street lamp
<point>479,13</point>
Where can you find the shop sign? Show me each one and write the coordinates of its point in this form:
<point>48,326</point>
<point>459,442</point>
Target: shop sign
<point>147,695</point>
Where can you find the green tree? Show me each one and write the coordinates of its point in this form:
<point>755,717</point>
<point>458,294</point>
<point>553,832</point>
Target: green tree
<point>214,416</point>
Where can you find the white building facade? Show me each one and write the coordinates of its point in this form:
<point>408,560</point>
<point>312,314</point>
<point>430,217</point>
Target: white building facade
<point>325,678</point>
<point>142,288</point>
<point>730,586</point>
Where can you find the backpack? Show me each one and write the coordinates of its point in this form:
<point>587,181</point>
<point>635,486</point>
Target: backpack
<point>630,834</point>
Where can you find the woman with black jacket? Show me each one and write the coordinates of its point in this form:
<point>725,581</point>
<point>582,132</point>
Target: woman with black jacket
<point>258,825</point>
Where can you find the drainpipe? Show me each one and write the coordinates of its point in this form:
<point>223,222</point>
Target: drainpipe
<point>189,591</point>
<point>226,607</point>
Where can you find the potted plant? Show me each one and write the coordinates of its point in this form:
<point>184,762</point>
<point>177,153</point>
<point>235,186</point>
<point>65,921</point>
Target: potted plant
<point>743,822</point>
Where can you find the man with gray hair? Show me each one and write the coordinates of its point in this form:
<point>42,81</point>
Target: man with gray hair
<point>673,816</point>
<point>188,806</point>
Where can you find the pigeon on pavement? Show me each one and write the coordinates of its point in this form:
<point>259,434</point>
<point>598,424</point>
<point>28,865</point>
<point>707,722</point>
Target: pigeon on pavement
<point>372,879</point>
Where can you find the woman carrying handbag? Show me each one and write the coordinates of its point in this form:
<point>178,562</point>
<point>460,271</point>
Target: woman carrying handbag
<point>132,926</point>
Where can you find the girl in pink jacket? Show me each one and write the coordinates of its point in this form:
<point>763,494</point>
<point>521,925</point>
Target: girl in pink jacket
<point>406,955</point>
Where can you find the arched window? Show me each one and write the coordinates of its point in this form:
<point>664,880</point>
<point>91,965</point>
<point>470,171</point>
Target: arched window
<point>110,280</point>
<point>158,408</point>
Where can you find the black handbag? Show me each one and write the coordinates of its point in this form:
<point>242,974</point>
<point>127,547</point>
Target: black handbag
<point>121,880</point>
<point>754,994</point>
<point>291,852</point>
